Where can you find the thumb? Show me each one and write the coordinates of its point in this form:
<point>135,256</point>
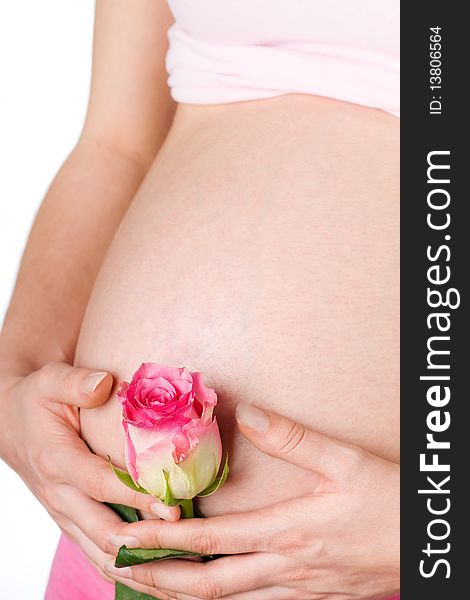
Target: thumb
<point>86,388</point>
<point>283,438</point>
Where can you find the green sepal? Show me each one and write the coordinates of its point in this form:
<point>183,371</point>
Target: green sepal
<point>218,481</point>
<point>169,499</point>
<point>127,513</point>
<point>127,557</point>
<point>125,478</point>
<point>122,592</point>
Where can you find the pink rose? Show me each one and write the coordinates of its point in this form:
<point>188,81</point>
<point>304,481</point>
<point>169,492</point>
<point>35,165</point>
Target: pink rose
<point>167,417</point>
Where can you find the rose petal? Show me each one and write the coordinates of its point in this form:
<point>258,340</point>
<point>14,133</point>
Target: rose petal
<point>179,375</point>
<point>150,465</point>
<point>167,417</point>
<point>130,455</point>
<point>206,396</point>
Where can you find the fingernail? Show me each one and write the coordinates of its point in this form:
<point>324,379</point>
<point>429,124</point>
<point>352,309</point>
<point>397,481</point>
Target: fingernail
<point>121,572</point>
<point>169,513</point>
<point>91,382</point>
<point>124,540</point>
<point>252,418</point>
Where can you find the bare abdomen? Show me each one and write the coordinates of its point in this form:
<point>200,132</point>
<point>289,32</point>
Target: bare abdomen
<point>262,250</point>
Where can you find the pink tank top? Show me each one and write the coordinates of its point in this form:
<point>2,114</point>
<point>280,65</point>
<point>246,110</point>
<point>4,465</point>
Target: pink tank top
<point>234,50</point>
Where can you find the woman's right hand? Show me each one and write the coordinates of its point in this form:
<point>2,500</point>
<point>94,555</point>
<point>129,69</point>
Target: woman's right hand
<point>41,442</point>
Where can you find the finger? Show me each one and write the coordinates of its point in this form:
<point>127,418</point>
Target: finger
<point>96,479</point>
<point>95,555</point>
<point>86,388</point>
<point>215,579</point>
<point>95,520</point>
<point>145,589</point>
<point>268,593</point>
<point>283,438</point>
<point>225,534</point>
<point>98,558</point>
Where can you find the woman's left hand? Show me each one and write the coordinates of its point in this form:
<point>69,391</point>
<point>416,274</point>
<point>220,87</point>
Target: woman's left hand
<point>337,543</point>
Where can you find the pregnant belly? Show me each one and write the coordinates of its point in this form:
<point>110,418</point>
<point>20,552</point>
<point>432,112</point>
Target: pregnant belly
<point>262,250</point>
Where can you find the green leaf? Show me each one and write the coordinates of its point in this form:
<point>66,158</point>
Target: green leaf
<point>218,481</point>
<point>122,592</point>
<point>125,478</point>
<point>127,557</point>
<point>127,513</point>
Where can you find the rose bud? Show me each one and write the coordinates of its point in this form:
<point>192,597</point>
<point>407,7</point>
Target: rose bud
<point>172,440</point>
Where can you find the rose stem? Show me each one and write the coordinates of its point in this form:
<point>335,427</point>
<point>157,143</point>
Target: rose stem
<point>187,509</point>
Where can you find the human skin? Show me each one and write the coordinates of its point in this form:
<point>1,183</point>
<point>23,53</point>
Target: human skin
<point>313,547</point>
<point>267,271</point>
<point>128,117</point>
<point>261,248</point>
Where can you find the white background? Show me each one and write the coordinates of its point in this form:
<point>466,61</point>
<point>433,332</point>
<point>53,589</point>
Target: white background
<point>45,59</point>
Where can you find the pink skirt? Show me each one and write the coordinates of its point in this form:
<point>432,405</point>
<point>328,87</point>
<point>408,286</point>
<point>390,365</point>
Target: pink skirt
<point>73,577</point>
